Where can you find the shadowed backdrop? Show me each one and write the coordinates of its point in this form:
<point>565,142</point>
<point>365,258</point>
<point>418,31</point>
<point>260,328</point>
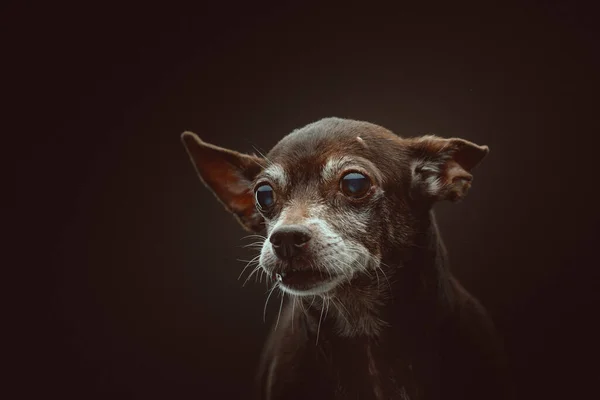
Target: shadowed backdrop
<point>143,298</point>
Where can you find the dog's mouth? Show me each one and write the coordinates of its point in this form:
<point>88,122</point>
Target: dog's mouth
<point>303,279</point>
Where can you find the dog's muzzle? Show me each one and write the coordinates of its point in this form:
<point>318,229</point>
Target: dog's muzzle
<point>296,267</point>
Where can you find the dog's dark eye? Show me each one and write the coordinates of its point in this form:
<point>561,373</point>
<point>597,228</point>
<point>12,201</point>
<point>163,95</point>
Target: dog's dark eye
<point>264,196</point>
<point>355,184</point>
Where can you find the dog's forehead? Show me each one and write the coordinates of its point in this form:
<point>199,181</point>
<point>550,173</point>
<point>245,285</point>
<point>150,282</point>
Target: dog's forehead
<point>308,150</point>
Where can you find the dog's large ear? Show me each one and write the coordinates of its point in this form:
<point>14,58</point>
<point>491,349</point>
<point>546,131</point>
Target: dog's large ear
<point>229,175</point>
<point>442,168</point>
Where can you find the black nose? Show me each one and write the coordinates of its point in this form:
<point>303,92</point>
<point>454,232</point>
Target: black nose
<point>289,241</point>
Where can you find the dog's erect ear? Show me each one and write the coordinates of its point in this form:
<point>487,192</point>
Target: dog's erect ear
<point>441,167</point>
<point>228,174</point>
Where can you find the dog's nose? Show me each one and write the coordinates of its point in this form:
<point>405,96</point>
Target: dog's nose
<point>289,241</point>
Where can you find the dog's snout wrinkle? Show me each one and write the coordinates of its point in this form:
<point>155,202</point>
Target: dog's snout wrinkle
<point>289,240</point>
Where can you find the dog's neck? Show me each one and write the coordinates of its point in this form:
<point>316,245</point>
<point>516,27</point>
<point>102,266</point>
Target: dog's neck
<point>417,287</point>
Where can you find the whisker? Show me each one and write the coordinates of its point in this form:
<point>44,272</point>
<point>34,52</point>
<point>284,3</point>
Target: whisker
<point>334,265</point>
<point>301,304</point>
<point>267,279</point>
<point>386,278</point>
<point>341,304</point>
<point>280,306</point>
<point>258,267</point>
<point>256,244</point>
<point>258,278</point>
<point>267,302</point>
<point>269,162</point>
<point>318,267</point>
<point>320,319</point>
<point>255,259</point>
<point>254,236</point>
<point>329,272</point>
<point>340,312</point>
<point>247,261</point>
<point>293,309</point>
<point>377,266</point>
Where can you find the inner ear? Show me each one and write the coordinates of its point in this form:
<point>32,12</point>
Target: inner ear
<point>229,176</point>
<point>442,167</point>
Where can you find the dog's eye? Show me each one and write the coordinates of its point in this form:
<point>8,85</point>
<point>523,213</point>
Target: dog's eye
<point>264,196</point>
<point>355,184</point>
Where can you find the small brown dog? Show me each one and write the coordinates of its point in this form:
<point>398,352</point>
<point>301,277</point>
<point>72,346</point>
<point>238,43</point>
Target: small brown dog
<point>371,309</point>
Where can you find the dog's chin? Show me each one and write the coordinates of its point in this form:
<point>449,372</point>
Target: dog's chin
<point>320,288</point>
<point>306,281</point>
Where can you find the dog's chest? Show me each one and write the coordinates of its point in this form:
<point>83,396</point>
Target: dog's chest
<point>363,370</point>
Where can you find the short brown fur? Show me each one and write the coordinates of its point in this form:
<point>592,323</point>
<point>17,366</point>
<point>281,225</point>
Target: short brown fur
<point>402,327</point>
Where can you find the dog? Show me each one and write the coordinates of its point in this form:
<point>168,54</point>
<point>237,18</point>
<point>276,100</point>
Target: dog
<point>371,310</point>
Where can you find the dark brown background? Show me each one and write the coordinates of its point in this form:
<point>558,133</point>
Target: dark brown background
<point>130,263</point>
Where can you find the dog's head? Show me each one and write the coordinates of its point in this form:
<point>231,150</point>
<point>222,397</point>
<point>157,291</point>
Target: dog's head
<point>335,197</point>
